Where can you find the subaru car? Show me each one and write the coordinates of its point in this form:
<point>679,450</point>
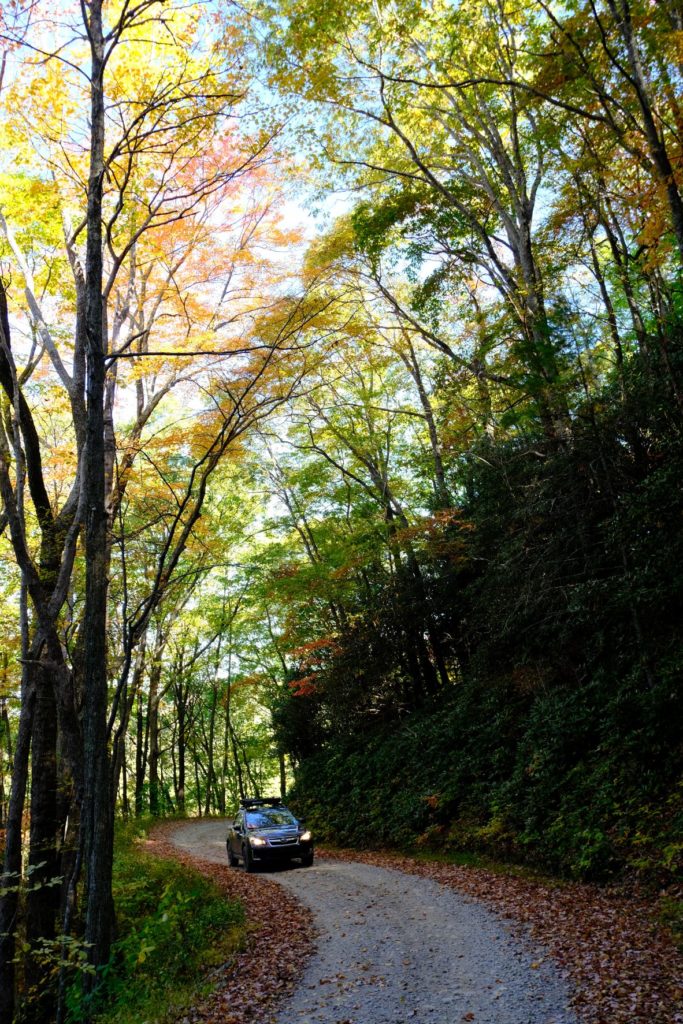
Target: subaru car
<point>266,832</point>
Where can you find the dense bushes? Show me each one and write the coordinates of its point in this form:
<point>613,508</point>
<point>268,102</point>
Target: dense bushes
<point>559,738</point>
<point>547,779</point>
<point>173,924</point>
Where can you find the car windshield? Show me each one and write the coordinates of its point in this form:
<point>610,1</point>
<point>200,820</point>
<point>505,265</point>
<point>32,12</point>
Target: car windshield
<point>270,816</point>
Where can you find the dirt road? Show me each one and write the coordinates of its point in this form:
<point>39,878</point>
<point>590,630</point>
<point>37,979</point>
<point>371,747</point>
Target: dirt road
<point>393,948</point>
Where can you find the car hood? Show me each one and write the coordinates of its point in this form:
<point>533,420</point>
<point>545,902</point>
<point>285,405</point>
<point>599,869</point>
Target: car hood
<point>279,832</point>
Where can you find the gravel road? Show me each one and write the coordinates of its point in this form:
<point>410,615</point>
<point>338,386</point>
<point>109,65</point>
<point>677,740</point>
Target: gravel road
<point>393,949</point>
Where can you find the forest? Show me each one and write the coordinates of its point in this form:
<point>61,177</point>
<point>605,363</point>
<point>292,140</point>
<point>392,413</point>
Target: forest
<point>341,409</point>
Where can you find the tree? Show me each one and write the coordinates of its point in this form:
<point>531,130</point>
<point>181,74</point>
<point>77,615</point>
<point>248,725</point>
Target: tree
<point>143,178</point>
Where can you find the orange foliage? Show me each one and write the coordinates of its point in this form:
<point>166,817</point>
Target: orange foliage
<point>441,535</point>
<point>304,687</point>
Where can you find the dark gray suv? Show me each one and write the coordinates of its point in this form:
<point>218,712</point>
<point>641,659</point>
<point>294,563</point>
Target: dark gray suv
<point>266,832</point>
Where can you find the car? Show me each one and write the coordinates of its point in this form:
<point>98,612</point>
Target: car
<point>265,832</point>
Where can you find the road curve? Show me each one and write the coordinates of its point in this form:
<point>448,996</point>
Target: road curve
<point>395,948</point>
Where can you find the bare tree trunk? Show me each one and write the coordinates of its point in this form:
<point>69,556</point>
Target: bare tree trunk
<point>97,809</point>
<point>11,876</point>
<point>409,358</point>
<point>182,758</point>
<point>211,783</point>
<point>621,12</point>
<point>142,733</point>
<point>126,704</point>
<point>224,764</point>
<point>153,731</point>
<point>125,804</point>
<point>180,693</point>
<point>236,758</point>
<point>197,783</point>
<point>6,745</point>
<point>42,902</point>
<point>283,774</point>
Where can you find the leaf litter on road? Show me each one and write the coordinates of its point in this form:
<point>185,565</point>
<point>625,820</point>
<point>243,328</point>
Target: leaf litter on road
<point>621,965</point>
<point>280,939</point>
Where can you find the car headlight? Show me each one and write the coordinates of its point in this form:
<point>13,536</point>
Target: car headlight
<point>305,837</point>
<point>257,841</point>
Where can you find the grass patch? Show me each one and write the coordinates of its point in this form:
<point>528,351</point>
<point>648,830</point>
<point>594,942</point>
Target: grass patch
<point>467,859</point>
<point>460,857</point>
<point>173,926</point>
<point>671,916</point>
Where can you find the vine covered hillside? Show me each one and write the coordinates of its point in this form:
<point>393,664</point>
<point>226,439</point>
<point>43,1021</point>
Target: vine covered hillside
<point>558,738</point>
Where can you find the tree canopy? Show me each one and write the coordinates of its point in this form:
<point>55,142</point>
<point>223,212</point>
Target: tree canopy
<point>341,356</point>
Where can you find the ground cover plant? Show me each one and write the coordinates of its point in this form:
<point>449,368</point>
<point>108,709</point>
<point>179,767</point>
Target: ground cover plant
<point>174,928</point>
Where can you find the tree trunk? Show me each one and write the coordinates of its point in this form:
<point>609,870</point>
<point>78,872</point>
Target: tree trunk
<point>211,783</point>
<point>142,732</point>
<point>6,750</point>
<point>410,361</point>
<point>236,758</point>
<point>153,732</point>
<point>125,803</point>
<point>197,783</point>
<point>97,809</point>
<point>11,876</point>
<point>42,902</point>
<point>181,712</point>
<point>129,692</point>
<point>283,774</point>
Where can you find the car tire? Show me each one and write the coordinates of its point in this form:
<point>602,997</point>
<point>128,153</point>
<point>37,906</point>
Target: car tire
<point>233,861</point>
<point>307,861</point>
<point>248,857</point>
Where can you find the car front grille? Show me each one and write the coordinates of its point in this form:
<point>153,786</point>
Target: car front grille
<point>284,841</point>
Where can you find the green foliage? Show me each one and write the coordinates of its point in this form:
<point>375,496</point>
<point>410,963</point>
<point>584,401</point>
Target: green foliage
<point>560,744</point>
<point>518,779</point>
<point>173,925</point>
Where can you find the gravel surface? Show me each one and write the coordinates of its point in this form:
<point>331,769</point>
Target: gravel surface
<point>395,948</point>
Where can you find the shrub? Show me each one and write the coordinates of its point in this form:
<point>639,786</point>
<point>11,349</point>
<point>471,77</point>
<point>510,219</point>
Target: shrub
<point>172,924</point>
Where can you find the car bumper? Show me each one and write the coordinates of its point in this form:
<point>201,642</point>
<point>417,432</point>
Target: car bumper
<point>280,854</point>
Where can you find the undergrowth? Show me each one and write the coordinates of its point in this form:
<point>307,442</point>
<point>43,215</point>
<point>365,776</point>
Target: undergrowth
<point>173,926</point>
<point>481,775</point>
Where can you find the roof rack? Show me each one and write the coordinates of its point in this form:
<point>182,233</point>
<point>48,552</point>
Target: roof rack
<point>268,801</point>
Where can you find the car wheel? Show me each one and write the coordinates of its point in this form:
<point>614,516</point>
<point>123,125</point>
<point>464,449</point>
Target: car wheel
<point>233,861</point>
<point>307,861</point>
<point>249,865</point>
